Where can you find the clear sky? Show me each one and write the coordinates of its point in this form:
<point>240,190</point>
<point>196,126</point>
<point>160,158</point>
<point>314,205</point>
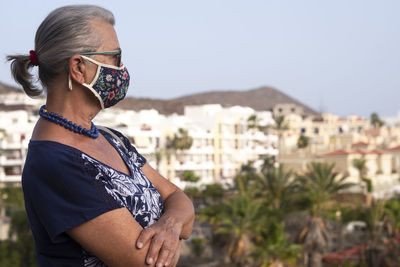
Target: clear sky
<point>340,56</point>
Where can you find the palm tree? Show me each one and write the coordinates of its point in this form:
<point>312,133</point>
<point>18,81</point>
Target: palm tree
<point>303,141</point>
<point>375,246</point>
<point>276,186</point>
<point>158,154</point>
<point>190,176</point>
<point>191,190</point>
<point>360,165</point>
<point>268,164</point>
<point>213,193</point>
<point>182,140</point>
<point>392,214</point>
<point>19,249</point>
<point>272,247</point>
<point>236,219</point>
<point>252,122</point>
<point>376,120</point>
<point>392,218</point>
<point>318,185</point>
<point>246,180</point>
<point>280,126</point>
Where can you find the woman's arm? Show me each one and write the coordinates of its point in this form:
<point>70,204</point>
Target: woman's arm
<point>111,237</point>
<point>175,223</point>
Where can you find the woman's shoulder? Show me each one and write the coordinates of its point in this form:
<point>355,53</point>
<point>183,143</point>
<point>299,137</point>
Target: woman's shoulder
<point>46,150</point>
<point>50,159</point>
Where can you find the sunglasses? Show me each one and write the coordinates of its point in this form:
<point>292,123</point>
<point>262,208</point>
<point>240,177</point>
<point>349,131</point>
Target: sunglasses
<point>116,53</point>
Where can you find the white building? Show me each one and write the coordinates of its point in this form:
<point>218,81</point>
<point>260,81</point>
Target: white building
<point>221,140</point>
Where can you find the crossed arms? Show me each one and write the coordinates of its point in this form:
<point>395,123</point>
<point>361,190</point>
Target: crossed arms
<point>118,240</point>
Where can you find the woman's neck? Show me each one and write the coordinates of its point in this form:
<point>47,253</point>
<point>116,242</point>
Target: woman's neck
<point>76,106</point>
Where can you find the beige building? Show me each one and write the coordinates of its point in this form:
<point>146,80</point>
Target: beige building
<point>341,140</point>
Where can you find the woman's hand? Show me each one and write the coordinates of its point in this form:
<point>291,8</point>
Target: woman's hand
<point>164,237</point>
<point>175,223</point>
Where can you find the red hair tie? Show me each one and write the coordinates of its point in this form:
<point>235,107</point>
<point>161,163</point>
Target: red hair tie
<point>33,57</point>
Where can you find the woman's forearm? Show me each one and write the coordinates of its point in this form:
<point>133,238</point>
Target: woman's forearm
<point>179,210</point>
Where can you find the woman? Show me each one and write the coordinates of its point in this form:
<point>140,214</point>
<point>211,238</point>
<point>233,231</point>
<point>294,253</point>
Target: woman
<point>91,198</point>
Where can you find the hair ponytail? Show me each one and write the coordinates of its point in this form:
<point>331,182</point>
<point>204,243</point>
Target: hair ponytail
<point>20,66</point>
<point>65,32</point>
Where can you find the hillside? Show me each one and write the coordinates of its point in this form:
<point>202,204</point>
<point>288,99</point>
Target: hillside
<point>5,88</point>
<point>264,98</point>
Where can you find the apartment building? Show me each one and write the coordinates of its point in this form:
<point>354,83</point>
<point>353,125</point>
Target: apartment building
<point>341,140</point>
<point>222,142</point>
<point>15,129</point>
<point>326,132</point>
<point>379,169</point>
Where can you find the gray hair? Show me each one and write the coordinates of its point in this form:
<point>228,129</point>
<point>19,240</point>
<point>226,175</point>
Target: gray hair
<point>65,32</point>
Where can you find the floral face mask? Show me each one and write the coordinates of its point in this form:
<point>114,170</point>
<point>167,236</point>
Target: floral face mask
<point>110,84</point>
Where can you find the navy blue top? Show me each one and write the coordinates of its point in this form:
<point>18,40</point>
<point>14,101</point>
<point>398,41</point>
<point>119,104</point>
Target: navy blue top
<point>64,187</point>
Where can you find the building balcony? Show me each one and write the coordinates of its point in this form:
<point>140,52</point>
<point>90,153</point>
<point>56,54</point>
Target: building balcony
<point>191,165</point>
<point>200,150</point>
<point>10,162</point>
<point>10,178</point>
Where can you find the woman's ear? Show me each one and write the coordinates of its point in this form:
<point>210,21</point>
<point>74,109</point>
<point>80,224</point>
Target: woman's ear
<point>77,69</point>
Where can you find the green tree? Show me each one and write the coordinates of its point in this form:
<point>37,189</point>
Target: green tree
<point>303,141</point>
<point>392,215</point>
<point>318,185</point>
<point>19,249</point>
<point>268,164</point>
<point>271,246</point>
<point>376,120</point>
<point>245,184</point>
<point>236,219</point>
<point>281,125</point>
<point>182,140</point>
<point>197,246</point>
<point>375,246</point>
<point>392,218</point>
<point>192,191</point>
<point>158,154</point>
<point>277,186</point>
<point>253,122</point>
<point>213,193</point>
<point>191,177</point>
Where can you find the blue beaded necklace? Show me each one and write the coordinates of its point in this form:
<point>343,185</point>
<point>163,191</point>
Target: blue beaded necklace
<point>58,119</point>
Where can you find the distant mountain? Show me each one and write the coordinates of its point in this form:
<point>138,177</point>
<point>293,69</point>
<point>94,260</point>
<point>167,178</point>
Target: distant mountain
<point>5,88</point>
<point>263,98</point>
